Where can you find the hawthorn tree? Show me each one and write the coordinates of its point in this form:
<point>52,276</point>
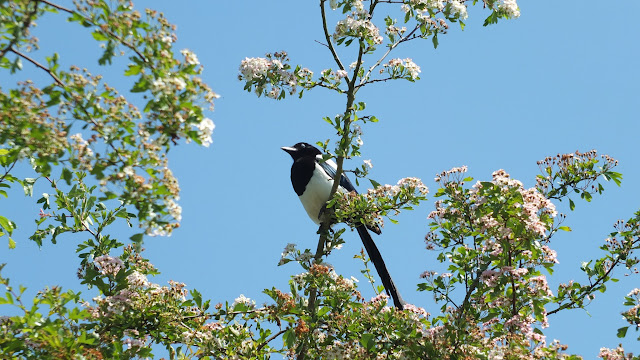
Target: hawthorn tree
<point>105,161</point>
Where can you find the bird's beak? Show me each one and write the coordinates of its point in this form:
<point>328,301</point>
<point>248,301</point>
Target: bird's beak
<point>289,150</point>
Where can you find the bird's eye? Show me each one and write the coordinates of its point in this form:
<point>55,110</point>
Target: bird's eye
<point>303,146</point>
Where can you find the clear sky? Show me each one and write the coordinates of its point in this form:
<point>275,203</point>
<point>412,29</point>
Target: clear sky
<point>563,77</point>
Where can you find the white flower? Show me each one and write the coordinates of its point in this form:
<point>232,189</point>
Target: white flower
<point>189,57</point>
<point>459,9</point>
<point>274,93</point>
<point>357,28</point>
<point>205,129</point>
<point>167,39</point>
<point>137,279</point>
<point>254,68</point>
<point>158,85</point>
<point>404,67</point>
<point>341,74</point>
<point>243,300</point>
<point>510,7</point>
<point>368,163</point>
<point>174,209</point>
<point>108,265</point>
<point>179,83</point>
<point>412,68</point>
<point>288,249</point>
<point>131,343</point>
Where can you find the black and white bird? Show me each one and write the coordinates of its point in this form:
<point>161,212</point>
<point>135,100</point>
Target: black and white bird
<point>312,179</point>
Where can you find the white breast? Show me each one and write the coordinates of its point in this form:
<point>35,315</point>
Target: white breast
<point>316,193</point>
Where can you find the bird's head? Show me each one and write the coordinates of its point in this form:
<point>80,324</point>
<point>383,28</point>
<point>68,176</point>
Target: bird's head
<point>301,150</point>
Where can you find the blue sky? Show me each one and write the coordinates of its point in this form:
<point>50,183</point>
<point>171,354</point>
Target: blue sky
<point>562,77</point>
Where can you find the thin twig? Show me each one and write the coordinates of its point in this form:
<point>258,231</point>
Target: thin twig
<point>25,25</point>
<point>321,43</point>
<point>8,170</point>
<point>270,339</point>
<point>37,64</point>
<point>109,32</point>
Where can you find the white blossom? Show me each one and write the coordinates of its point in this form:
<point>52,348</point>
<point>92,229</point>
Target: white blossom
<point>510,7</point>
<point>243,300</point>
<point>254,68</point>
<point>205,129</point>
<point>460,9</point>
<point>189,57</point>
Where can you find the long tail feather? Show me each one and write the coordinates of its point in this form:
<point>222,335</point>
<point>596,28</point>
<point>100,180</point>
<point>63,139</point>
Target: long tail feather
<point>376,258</point>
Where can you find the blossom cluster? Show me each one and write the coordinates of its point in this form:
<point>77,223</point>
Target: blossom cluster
<point>134,300</point>
<point>354,27</point>
<point>244,301</point>
<point>533,204</point>
<point>108,265</point>
<point>291,253</point>
<point>272,75</point>
<point>425,10</point>
<point>510,8</point>
<point>383,200</point>
<point>632,315</point>
<point>357,24</point>
<point>401,69</point>
<point>615,354</point>
<point>558,174</point>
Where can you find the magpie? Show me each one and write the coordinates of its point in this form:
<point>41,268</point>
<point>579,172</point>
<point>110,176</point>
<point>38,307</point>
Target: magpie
<point>312,179</point>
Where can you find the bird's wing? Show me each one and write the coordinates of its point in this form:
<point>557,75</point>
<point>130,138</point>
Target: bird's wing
<point>330,168</point>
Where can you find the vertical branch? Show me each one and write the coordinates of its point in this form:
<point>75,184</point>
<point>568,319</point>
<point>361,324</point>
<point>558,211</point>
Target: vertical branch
<point>327,37</point>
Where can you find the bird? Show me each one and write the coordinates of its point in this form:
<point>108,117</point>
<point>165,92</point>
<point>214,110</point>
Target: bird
<point>312,179</point>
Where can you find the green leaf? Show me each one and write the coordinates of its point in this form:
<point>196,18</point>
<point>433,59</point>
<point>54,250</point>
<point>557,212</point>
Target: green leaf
<point>289,338</point>
<point>12,244</point>
<point>367,341</point>
<point>7,224</point>
<point>99,36</point>
<point>133,70</point>
<point>564,228</point>
<point>374,183</point>
<point>197,297</point>
<point>67,175</point>
<point>434,39</point>
<point>572,205</point>
<point>137,238</point>
<point>622,332</point>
